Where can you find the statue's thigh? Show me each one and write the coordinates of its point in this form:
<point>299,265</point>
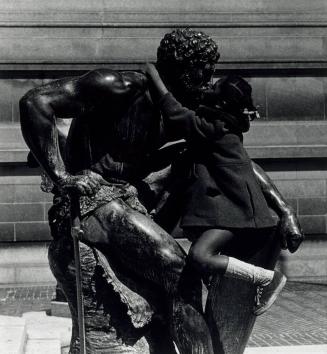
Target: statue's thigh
<point>135,240</point>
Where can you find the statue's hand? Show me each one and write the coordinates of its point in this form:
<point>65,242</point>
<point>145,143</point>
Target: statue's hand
<point>87,183</point>
<point>290,232</point>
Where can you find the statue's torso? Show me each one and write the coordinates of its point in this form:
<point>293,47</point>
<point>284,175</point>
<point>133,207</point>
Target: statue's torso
<point>127,129</point>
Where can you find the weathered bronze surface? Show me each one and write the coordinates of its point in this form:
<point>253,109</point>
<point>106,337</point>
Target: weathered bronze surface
<point>139,294</point>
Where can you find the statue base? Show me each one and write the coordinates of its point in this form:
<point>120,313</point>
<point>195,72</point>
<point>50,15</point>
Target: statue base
<point>117,319</point>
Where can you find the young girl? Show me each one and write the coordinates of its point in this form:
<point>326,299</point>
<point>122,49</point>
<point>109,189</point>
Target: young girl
<point>223,200</point>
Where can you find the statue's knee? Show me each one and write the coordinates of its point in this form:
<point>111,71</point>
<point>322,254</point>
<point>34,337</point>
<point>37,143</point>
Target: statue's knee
<point>174,259</point>
<point>117,207</point>
<point>114,210</point>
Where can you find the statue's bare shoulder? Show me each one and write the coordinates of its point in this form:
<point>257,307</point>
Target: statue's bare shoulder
<point>107,84</point>
<point>72,94</point>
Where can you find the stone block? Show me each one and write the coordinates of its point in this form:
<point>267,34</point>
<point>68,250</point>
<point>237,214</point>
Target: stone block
<point>7,275</point>
<point>312,206</point>
<point>282,175</point>
<point>6,193</point>
<point>293,202</point>
<point>313,133</point>
<point>136,44</point>
<point>12,335</point>
<point>301,188</point>
<point>32,231</point>
<point>313,224</point>
<point>41,326</point>
<point>21,212</point>
<point>28,273</point>
<point>264,47</point>
<point>287,152</point>
<point>306,268</point>
<point>30,194</point>
<point>295,98</point>
<point>306,173</point>
<point>286,133</point>
<point>50,346</point>
<point>5,100</point>
<point>307,262</point>
<point>24,253</point>
<point>55,48</point>
<point>7,232</point>
<point>325,90</point>
<point>277,6</point>
<point>269,133</point>
<point>288,349</point>
<point>17,176</point>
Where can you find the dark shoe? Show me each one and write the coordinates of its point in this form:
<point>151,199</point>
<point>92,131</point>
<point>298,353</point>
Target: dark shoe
<point>266,295</point>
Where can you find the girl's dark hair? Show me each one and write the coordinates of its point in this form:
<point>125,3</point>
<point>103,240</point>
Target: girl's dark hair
<point>235,91</point>
<point>231,95</point>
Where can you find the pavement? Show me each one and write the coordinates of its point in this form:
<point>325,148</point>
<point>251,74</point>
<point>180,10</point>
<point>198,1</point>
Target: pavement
<point>298,317</point>
<point>296,323</point>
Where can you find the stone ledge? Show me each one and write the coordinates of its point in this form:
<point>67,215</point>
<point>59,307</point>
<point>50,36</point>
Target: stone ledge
<point>155,18</point>
<point>266,140</point>
<point>81,66</point>
<point>12,334</point>
<point>255,152</point>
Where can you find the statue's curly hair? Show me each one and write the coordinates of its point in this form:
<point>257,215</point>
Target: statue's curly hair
<point>187,47</point>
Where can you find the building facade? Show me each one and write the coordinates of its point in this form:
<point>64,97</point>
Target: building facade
<point>280,46</point>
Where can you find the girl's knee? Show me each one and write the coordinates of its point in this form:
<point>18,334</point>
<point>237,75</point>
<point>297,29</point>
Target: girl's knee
<point>197,256</point>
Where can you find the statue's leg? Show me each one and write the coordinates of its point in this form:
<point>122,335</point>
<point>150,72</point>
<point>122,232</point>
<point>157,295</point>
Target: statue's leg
<point>229,308</point>
<point>144,249</point>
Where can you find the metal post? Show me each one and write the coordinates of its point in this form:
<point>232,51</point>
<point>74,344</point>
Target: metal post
<point>76,231</point>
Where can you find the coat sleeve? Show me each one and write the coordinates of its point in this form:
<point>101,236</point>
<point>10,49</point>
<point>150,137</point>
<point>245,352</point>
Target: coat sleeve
<point>183,123</point>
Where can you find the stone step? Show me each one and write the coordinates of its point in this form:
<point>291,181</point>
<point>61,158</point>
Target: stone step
<point>12,335</point>
<point>40,327</point>
<point>34,333</point>
<point>38,346</point>
<point>298,349</point>
<point>25,263</point>
<point>266,139</point>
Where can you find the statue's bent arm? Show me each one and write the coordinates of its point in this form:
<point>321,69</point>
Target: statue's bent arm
<point>69,98</point>
<point>38,121</point>
<point>289,226</point>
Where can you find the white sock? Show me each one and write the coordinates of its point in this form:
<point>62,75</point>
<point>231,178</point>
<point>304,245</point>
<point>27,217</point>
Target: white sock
<point>248,272</point>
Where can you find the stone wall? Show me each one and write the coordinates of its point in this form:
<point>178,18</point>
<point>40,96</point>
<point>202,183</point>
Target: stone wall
<point>279,46</point>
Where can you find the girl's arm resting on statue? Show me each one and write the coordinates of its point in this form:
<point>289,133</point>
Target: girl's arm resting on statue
<point>180,122</point>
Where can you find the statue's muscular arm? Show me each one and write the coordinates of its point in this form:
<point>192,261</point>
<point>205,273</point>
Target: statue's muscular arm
<point>40,107</point>
<point>289,226</point>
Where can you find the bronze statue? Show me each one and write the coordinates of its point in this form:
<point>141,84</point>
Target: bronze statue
<point>112,159</point>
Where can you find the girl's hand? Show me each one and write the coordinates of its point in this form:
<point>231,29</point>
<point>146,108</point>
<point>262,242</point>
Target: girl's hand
<point>151,71</point>
<point>155,78</point>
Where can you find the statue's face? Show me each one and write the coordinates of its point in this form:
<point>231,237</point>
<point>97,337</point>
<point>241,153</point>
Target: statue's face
<point>188,81</point>
<point>195,76</point>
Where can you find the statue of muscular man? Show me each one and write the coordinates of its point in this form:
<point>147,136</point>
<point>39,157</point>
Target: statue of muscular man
<point>112,143</point>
